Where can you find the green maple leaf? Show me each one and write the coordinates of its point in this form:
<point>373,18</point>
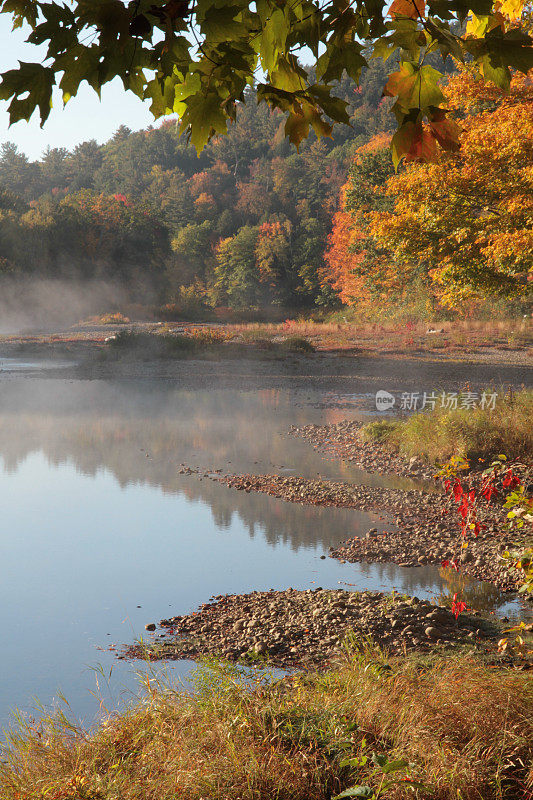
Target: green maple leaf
<point>339,57</point>
<point>204,117</point>
<point>110,17</point>
<point>334,107</point>
<point>220,25</point>
<point>447,9</point>
<point>80,64</point>
<point>514,49</point>
<point>447,43</point>
<point>498,51</point>
<point>59,29</point>
<point>22,11</point>
<point>162,93</point>
<point>299,122</point>
<point>32,80</point>
<point>278,98</point>
<point>229,37</point>
<point>405,34</point>
<point>273,40</point>
<point>288,75</point>
<point>416,87</point>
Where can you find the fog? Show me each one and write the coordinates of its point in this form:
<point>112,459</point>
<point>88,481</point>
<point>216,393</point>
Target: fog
<point>52,304</point>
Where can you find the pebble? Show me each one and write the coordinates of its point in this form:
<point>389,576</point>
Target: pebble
<point>306,628</point>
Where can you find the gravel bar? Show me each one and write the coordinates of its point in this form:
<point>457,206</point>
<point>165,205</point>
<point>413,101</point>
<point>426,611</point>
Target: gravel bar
<point>307,629</point>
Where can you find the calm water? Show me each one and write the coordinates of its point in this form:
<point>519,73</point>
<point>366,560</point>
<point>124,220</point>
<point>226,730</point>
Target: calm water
<point>96,521</point>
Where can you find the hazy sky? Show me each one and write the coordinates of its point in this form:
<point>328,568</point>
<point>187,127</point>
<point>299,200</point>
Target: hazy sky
<point>85,116</point>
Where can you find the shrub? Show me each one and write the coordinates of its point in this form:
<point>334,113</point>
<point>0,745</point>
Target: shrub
<point>381,430</point>
<point>115,318</point>
<point>298,344</point>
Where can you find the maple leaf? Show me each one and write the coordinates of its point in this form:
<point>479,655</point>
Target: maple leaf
<point>298,123</point>
<point>512,8</point>
<point>413,141</point>
<point>36,82</point>
<point>229,39</point>
<point>414,9</point>
<point>445,130</point>
<point>415,86</point>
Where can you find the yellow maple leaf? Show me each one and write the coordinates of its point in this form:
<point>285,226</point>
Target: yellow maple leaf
<point>512,8</point>
<point>479,26</point>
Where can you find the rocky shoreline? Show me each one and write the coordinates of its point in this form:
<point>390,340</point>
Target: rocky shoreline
<point>425,530</point>
<point>342,440</point>
<point>307,629</point>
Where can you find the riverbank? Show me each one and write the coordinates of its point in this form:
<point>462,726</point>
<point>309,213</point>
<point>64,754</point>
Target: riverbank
<point>436,727</point>
<point>308,629</point>
<point>443,711</point>
<point>504,343</point>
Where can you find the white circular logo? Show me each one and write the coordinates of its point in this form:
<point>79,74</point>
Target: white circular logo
<point>384,400</point>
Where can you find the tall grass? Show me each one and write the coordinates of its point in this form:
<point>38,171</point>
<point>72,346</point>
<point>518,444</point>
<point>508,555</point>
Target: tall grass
<point>471,433</point>
<point>348,326</point>
<point>466,731</point>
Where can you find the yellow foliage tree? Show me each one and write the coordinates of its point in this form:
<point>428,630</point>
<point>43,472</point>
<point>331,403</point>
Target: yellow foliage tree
<point>469,215</point>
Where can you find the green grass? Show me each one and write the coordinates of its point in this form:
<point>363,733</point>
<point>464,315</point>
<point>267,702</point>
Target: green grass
<point>440,434</point>
<point>462,728</point>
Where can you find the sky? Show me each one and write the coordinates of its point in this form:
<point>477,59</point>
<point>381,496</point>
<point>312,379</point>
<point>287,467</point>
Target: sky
<point>85,116</point>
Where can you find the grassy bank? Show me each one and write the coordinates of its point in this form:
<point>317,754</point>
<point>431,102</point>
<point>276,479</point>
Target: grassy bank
<point>453,337</point>
<point>408,337</point>
<point>462,729</point>
<point>472,433</point>
<point>194,341</point>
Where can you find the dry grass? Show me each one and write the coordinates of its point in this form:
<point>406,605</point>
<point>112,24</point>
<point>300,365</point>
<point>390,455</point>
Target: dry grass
<point>470,433</point>
<point>465,728</point>
<point>510,334</point>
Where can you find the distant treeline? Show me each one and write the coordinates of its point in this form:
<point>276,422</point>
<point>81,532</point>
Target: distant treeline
<point>245,224</point>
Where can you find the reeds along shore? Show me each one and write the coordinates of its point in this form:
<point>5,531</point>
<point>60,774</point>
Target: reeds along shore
<point>458,727</point>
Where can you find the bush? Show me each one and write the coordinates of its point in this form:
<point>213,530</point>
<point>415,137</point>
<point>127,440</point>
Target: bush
<point>298,344</point>
<point>379,431</point>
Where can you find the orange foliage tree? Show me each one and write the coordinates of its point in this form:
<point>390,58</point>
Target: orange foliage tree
<point>342,263</point>
<point>469,215</point>
<point>359,267</point>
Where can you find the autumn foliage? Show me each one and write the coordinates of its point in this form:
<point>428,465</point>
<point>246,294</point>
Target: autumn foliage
<point>359,268</point>
<point>461,224</point>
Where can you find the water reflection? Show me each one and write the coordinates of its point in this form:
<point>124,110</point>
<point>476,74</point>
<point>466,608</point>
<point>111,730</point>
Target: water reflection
<point>141,434</point>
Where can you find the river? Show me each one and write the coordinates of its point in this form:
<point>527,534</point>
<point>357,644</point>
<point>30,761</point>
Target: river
<point>101,534</point>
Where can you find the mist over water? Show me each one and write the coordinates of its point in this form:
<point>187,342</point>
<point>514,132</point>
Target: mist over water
<point>52,304</point>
